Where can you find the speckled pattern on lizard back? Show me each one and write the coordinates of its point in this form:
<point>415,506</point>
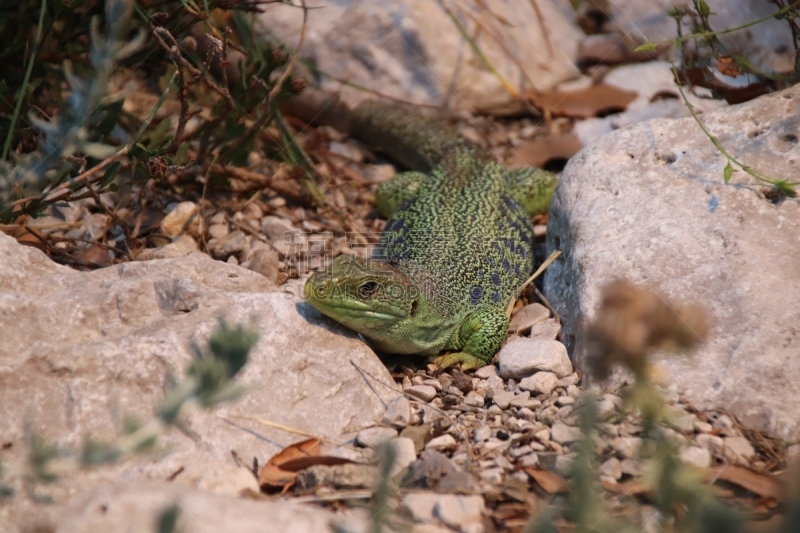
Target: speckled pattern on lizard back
<point>456,247</point>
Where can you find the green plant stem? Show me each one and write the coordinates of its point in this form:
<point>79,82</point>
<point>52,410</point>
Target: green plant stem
<point>21,95</point>
<point>781,184</point>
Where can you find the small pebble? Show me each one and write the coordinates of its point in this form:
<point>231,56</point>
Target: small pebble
<point>441,442</point>
<point>485,372</point>
<point>696,456</point>
<point>425,393</point>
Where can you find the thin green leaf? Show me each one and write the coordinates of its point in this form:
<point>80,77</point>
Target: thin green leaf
<point>703,9</point>
<point>728,172</point>
<point>646,47</point>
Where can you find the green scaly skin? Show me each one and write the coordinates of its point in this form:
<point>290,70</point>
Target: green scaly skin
<point>456,247</point>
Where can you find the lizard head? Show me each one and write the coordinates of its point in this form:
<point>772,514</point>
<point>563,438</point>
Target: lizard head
<point>369,296</point>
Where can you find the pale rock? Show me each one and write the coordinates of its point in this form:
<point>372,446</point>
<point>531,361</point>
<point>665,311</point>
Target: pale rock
<point>441,442</point>
<point>494,385</point>
<point>696,456</point>
<point>184,219</point>
<point>632,467</point>
<point>525,403</point>
<point>180,247</point>
<point>437,386</point>
<point>425,393</point>
<point>405,453</point>
<point>571,380</point>
<point>540,383</point>
<point>429,528</point>
<point>739,449</point>
<point>564,434</point>
<point>605,409</point>
<point>230,244</point>
<point>702,427</point>
<point>503,399</point>
<point>287,239</point>
<point>398,412</point>
<point>612,468</point>
<point>530,460</point>
<point>474,399</point>
<point>137,506</point>
<point>266,262</point>
<point>545,330</point>
<point>525,318</point>
<point>712,443</point>
<point>650,201</point>
<point>118,337</point>
<point>481,434</point>
<point>563,466</point>
<point>543,435</point>
<point>464,512</point>
<point>485,372</point>
<point>572,390</point>
<point>563,401</point>
<point>217,231</point>
<point>493,476</point>
<point>626,447</point>
<point>683,422</point>
<point>413,50</point>
<point>375,436</point>
<point>522,357</point>
<point>769,48</point>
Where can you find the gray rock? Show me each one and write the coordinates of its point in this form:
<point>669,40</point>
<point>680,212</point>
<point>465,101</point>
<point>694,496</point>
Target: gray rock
<point>117,336</point>
<point>524,319</point>
<point>485,372</point>
<point>412,50</point>
<point>374,437</point>
<point>474,399</point>
<point>769,47</point>
<point>136,507</point>
<point>181,246</point>
<point>540,383</point>
<point>287,239</point>
<point>230,244</point>
<point>696,456</point>
<point>564,434</point>
<point>441,442</point>
<point>522,357</point>
<point>342,477</point>
<point>545,330</point>
<point>425,393</point>
<point>612,468</point>
<point>458,511</point>
<point>503,399</point>
<point>266,262</point>
<point>398,412</point>
<point>217,231</point>
<point>649,201</point>
<point>739,449</point>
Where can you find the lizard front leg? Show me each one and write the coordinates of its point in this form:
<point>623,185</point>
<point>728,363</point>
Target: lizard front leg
<point>480,337</point>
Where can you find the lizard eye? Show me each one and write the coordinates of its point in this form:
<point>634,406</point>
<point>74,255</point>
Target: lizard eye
<point>367,289</point>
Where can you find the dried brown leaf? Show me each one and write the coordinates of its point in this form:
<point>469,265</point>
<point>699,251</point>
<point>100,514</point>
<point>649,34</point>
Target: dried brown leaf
<point>275,476</point>
<point>538,152</point>
<point>764,485</point>
<point>599,99</point>
<point>551,482</point>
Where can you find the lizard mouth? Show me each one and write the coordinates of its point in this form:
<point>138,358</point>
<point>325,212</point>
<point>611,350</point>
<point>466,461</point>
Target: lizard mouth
<point>353,310</point>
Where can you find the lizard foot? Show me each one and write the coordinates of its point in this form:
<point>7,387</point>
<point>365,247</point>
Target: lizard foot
<point>468,362</point>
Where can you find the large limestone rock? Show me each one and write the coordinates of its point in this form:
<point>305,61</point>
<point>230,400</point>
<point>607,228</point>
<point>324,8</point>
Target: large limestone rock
<point>81,351</point>
<point>412,50</point>
<point>137,508</point>
<point>767,45</point>
<point>648,204</point>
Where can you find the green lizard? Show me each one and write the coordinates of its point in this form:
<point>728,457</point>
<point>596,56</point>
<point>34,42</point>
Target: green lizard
<point>456,247</point>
